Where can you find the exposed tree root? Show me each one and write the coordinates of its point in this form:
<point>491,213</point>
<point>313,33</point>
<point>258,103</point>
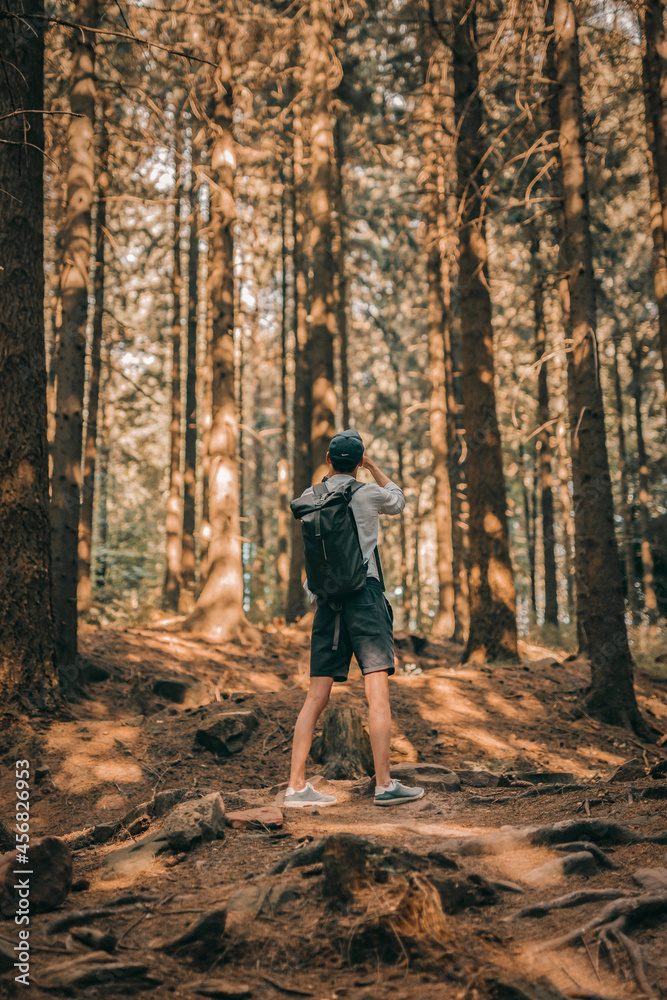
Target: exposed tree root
<point>595,831</point>
<point>627,716</point>
<point>351,850</point>
<point>598,831</point>
<point>611,924</point>
<point>633,951</point>
<point>603,860</point>
<point>578,898</point>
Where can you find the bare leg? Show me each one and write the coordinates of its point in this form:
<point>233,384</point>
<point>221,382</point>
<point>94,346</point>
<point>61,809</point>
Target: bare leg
<point>314,705</point>
<point>379,722</point>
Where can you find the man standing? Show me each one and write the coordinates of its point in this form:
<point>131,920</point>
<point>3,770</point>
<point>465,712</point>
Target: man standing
<point>363,626</point>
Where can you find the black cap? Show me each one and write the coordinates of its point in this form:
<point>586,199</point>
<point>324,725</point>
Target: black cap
<point>346,450</point>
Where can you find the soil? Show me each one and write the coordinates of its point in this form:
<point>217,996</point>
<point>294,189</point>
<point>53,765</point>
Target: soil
<point>389,938</point>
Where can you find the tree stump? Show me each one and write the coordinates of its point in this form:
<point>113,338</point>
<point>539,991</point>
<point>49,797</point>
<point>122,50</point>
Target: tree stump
<point>344,746</point>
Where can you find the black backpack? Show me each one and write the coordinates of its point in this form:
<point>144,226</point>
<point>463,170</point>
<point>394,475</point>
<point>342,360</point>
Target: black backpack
<point>334,563</point>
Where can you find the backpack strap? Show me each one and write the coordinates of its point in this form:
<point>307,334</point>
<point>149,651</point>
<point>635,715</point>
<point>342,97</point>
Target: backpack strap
<point>319,489</point>
<point>379,567</point>
<point>353,489</point>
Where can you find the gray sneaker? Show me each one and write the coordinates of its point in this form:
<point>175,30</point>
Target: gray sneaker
<point>396,794</point>
<point>307,796</point>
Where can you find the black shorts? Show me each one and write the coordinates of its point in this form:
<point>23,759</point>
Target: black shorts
<point>365,628</point>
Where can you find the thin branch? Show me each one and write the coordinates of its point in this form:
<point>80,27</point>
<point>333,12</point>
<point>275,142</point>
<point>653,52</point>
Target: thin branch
<point>113,34</point>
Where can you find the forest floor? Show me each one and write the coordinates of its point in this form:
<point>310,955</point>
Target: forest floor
<point>423,906</point>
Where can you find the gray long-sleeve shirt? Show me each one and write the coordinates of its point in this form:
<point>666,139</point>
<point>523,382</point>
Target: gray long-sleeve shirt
<point>367,503</point>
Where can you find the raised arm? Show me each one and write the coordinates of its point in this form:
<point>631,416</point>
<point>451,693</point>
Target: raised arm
<point>391,496</point>
<point>376,473</point>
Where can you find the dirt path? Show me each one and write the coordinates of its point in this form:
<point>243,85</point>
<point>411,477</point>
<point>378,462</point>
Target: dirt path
<point>420,904</point>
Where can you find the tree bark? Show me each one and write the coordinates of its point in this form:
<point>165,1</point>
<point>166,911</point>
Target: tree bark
<point>27,641</point>
<point>301,465</point>
<point>565,503</point>
<point>611,697</point>
<point>438,319</point>
<point>67,447</point>
<point>218,613</point>
<point>207,380</point>
<point>282,559</point>
<point>492,632</point>
<point>654,71</point>
<point>577,520</point>
<point>529,521</point>
<point>172,578</point>
<point>322,312</point>
<point>626,509</point>
<point>85,545</point>
<point>416,587</point>
<point>258,564</point>
<point>402,534</point>
<point>447,213</point>
<point>106,422</point>
<point>341,273</point>
<point>544,442</point>
<point>188,559</point>
<point>648,578</point>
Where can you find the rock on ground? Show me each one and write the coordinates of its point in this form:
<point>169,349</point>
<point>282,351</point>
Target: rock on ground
<point>185,691</point>
<point>227,733</point>
<point>651,879</point>
<point>482,779</point>
<point>432,777</point>
<point>50,862</point>
<point>579,863</point>
<point>201,819</point>
<point>269,817</point>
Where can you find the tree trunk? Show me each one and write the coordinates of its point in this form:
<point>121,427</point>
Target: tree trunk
<point>492,632</point>
<point>172,578</point>
<point>70,378</point>
<point>105,421</point>
<point>438,319</point>
<point>654,70</point>
<point>447,212</point>
<point>322,314</point>
<point>207,380</point>
<point>416,575</point>
<point>544,442</point>
<point>188,560</point>
<point>341,285</point>
<point>611,697</point>
<point>648,578</point>
<point>577,521</point>
<point>529,520</point>
<point>344,746</point>
<point>403,541</point>
<point>258,565</point>
<point>282,559</point>
<point>90,451</point>
<point>302,469</point>
<point>240,384</point>
<point>567,529</point>
<point>218,613</point>
<point>27,642</point>
<point>626,509</point>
